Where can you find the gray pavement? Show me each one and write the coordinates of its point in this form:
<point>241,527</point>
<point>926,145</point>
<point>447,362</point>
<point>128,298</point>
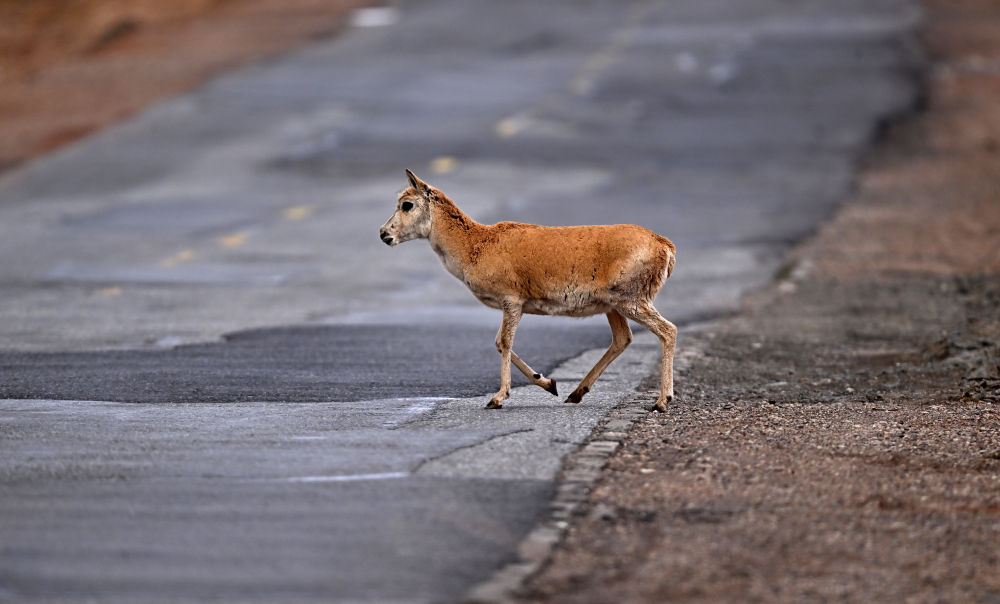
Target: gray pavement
<point>341,453</point>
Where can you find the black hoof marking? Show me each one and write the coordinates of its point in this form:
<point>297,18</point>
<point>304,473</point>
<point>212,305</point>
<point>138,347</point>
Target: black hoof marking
<point>492,405</point>
<point>575,397</point>
<point>537,376</point>
<point>552,387</point>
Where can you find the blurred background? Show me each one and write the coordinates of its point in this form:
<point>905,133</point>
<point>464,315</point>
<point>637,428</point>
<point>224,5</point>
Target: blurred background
<point>68,67</point>
<point>731,129</point>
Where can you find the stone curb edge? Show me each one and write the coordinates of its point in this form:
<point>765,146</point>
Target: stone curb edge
<point>580,472</point>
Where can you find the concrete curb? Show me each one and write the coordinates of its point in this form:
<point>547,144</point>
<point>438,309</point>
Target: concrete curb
<point>579,473</point>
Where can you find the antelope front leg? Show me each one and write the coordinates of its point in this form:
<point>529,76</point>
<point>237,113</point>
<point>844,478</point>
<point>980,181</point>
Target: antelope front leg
<point>536,378</point>
<point>505,340</point>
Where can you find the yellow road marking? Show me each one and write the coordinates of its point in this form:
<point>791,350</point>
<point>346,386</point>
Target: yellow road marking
<point>584,81</point>
<point>443,164</point>
<point>178,258</point>
<point>298,212</point>
<point>234,240</point>
<point>509,126</point>
<point>110,292</point>
<point>604,58</point>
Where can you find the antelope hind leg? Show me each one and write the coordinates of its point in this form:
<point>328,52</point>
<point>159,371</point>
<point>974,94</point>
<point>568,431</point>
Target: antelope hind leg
<point>652,320</point>
<point>621,337</point>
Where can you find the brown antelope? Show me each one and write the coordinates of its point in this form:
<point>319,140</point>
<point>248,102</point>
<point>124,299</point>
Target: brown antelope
<point>577,271</point>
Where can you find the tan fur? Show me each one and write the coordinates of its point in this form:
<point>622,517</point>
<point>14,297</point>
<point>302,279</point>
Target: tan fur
<point>520,268</point>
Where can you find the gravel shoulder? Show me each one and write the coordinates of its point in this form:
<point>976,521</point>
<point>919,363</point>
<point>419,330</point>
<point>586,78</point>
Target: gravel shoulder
<point>838,439</point>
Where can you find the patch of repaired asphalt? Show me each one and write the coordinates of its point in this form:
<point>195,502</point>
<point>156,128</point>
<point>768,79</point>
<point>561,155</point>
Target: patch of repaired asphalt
<point>295,364</point>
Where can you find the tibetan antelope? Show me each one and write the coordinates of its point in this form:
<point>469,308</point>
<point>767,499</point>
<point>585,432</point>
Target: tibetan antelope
<point>575,271</point>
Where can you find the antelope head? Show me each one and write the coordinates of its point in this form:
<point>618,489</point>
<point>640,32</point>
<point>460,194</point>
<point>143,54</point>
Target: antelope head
<point>412,218</point>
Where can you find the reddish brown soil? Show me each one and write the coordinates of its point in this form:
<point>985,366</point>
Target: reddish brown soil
<point>68,67</point>
<point>839,440</point>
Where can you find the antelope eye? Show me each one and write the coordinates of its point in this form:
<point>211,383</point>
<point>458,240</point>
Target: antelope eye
<point>407,206</point>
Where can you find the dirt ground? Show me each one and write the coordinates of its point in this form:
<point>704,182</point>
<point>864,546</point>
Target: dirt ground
<point>69,67</point>
<point>839,440</point>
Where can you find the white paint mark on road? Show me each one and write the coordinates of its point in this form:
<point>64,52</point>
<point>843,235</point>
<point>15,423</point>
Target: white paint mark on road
<point>417,406</point>
<point>722,73</point>
<point>425,398</point>
<point>686,62</point>
<point>169,341</point>
<point>350,477</point>
<point>379,16</point>
<point>423,404</point>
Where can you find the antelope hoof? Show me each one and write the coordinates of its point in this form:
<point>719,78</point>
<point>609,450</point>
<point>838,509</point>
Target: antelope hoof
<point>494,404</point>
<point>661,405</point>
<point>577,395</point>
<point>552,387</point>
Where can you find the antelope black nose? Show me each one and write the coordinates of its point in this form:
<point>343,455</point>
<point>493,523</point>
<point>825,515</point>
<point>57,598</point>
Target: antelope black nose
<point>385,237</point>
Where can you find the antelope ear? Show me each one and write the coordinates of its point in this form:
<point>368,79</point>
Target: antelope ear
<point>416,183</point>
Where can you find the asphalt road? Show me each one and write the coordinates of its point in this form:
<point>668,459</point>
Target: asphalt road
<point>218,384</point>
